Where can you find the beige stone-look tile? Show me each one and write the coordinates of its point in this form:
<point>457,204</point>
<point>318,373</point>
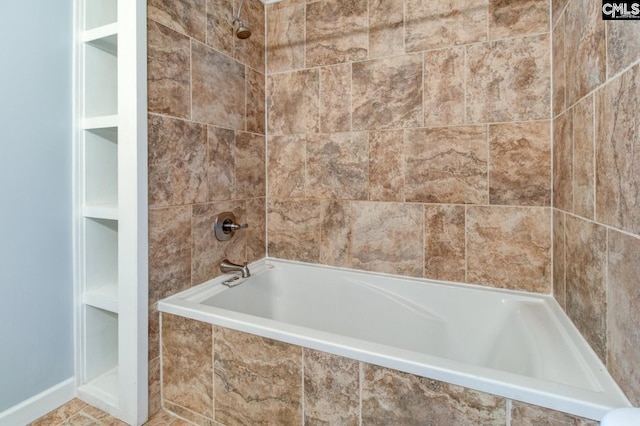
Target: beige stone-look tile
<point>386,165</point>
<point>61,413</point>
<point>386,28</point>
<point>155,386</point>
<point>445,257</point>
<point>431,24</point>
<point>255,101</point>
<point>585,48</point>
<point>557,8</point>
<point>221,167</point>
<point>192,418</point>
<point>294,228</point>
<point>447,165</point>
<point>285,3</point>
<point>293,102</point>
<point>80,419</point>
<point>387,93</point>
<point>185,16</point>
<point>559,263</point>
<point>169,251</point>
<point>180,422</point>
<point>217,88</point>
<point>563,162</point>
<point>623,319</point>
<point>250,165</point>
<point>100,417</point>
<point>220,29</point>
<point>387,237</point>
<point>509,18</point>
<point>168,80</point>
<point>208,252</point>
<point>336,234</point>
<point>586,256</point>
<point>525,414</point>
<point>335,98</point>
<point>509,80</point>
<point>583,158</point>
<point>391,397</point>
<point>520,163</point>
<point>251,51</point>
<point>257,230</point>
<point>337,166</point>
<point>154,331</point>
<point>622,46</point>
<point>331,389</point>
<point>559,67</point>
<point>177,158</point>
<point>336,32</point>
<point>286,166</point>
<point>257,380</point>
<point>618,152</point>
<point>161,418</point>
<point>444,87</point>
<point>187,364</point>
<point>509,247</point>
<point>285,38</point>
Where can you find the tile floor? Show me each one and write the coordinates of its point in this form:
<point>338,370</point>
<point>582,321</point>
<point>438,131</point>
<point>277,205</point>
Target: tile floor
<point>78,413</point>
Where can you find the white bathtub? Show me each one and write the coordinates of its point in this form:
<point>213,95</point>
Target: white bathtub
<point>513,344</point>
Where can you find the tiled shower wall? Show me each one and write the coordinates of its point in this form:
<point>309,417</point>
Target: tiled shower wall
<point>596,182</point>
<point>412,137</point>
<point>206,146</point>
<point>404,138</point>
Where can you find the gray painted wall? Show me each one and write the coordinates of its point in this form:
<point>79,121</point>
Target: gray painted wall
<point>36,287</point>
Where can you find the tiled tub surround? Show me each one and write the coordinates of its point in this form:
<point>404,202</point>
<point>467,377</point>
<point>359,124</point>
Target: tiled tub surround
<point>216,375</point>
<point>484,65</point>
<point>596,183</point>
<point>512,344</point>
<point>206,146</point>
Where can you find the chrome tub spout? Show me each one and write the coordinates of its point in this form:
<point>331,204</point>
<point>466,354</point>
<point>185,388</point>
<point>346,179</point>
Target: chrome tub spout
<point>227,266</point>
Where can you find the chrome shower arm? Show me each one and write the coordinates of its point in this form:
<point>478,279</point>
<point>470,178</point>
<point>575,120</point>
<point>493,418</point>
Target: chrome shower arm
<point>237,17</point>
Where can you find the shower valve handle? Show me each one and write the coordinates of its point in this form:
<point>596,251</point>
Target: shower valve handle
<point>229,226</point>
<point>225,226</point>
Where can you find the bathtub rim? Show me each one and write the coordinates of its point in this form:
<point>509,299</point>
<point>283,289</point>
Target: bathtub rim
<point>556,396</point>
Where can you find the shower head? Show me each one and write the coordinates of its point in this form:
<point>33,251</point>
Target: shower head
<point>242,32</point>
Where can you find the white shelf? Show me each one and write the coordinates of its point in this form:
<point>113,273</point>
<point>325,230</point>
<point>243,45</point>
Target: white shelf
<point>100,122</point>
<point>104,297</point>
<point>100,212</point>
<point>104,38</point>
<point>110,200</point>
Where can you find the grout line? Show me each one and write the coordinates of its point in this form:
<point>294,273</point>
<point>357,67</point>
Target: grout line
<point>594,192</point>
<point>466,244</point>
<point>213,371</point>
<point>302,371</point>
<point>190,81</point>
<point>360,384</point>
<point>606,296</point>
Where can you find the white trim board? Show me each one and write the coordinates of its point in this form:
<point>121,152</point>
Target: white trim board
<point>40,404</point>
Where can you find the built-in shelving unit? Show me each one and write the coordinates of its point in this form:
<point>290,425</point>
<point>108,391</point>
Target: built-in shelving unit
<point>111,198</point>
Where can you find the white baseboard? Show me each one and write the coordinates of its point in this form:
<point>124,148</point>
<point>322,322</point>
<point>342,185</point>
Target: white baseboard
<point>39,405</point>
